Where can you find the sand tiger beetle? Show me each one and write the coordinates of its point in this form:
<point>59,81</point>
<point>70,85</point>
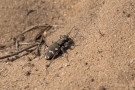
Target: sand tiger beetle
<point>55,48</point>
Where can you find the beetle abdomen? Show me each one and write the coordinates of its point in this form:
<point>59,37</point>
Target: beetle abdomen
<point>51,51</point>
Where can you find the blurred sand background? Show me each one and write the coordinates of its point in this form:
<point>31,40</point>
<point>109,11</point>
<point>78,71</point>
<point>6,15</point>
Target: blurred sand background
<point>103,60</point>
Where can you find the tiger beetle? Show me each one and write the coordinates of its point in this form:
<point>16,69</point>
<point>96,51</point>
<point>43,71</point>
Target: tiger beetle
<point>55,48</point>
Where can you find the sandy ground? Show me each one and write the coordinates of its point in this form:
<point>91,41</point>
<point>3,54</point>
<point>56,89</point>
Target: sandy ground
<point>103,60</point>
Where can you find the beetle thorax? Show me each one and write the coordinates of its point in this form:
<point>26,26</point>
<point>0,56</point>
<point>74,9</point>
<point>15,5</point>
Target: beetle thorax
<point>62,40</point>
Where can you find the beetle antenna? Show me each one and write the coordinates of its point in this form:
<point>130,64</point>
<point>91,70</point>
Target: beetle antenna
<point>75,35</point>
<point>70,31</point>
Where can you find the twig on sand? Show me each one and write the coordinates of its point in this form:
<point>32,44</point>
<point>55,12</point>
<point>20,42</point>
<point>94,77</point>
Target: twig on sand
<point>15,53</point>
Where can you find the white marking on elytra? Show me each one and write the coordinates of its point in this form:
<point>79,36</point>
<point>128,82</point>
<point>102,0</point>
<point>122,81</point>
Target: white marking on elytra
<point>47,57</point>
<point>51,52</point>
<point>56,49</point>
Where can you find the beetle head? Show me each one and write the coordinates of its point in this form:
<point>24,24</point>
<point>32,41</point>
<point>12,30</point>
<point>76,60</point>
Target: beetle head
<point>64,37</point>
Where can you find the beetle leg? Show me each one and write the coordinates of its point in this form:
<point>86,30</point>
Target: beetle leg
<point>62,49</point>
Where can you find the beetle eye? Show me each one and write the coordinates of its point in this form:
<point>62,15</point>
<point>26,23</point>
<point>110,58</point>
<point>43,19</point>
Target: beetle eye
<point>66,38</point>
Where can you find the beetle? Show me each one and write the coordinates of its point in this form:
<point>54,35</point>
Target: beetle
<point>54,49</point>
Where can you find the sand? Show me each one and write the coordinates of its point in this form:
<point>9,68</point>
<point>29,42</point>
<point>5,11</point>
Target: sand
<point>104,58</point>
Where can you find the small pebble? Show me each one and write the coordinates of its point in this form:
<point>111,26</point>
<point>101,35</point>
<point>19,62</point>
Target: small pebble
<point>27,73</point>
